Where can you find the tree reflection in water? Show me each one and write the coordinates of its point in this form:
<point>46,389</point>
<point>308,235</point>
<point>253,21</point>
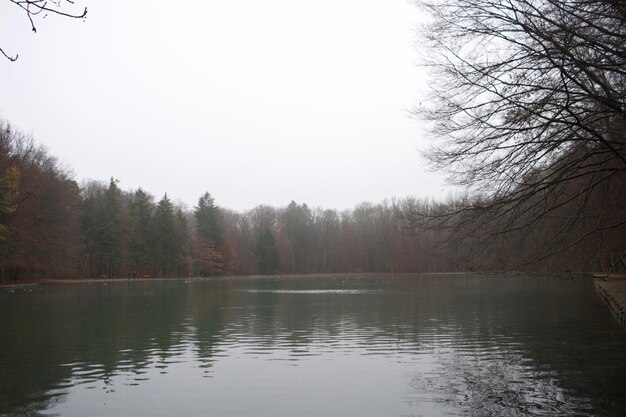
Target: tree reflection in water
<point>439,345</point>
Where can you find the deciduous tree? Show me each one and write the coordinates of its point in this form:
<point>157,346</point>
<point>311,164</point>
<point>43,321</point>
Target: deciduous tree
<point>528,111</point>
<point>39,215</point>
<point>298,221</point>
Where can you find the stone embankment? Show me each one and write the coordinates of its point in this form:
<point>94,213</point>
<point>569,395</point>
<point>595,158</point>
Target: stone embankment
<point>613,289</point>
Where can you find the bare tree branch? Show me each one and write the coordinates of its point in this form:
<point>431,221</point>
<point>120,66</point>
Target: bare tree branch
<point>528,111</point>
<point>10,58</point>
<point>33,8</point>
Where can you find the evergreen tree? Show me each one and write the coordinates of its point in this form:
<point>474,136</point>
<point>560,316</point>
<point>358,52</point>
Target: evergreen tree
<point>266,251</point>
<point>111,226</point>
<point>208,218</point>
<point>102,228</point>
<point>140,222</point>
<point>166,251</point>
<point>92,198</point>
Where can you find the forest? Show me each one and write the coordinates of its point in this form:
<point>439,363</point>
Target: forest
<point>526,113</point>
<point>52,227</point>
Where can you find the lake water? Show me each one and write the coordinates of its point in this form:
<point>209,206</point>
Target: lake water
<point>369,346</point>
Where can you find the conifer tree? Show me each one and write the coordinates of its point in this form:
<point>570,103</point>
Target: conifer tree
<point>208,218</point>
<point>140,223</point>
<point>164,235</point>
<point>103,223</point>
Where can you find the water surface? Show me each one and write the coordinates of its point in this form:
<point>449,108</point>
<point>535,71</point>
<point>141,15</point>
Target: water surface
<point>374,346</point>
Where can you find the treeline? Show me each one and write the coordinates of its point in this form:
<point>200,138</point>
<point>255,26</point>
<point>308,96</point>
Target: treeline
<point>526,106</point>
<point>52,227</point>
<point>40,210</point>
<point>575,225</point>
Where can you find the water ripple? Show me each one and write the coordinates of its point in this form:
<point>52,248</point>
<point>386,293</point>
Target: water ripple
<point>333,348</point>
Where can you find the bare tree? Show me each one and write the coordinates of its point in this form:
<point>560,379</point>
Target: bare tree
<point>528,111</point>
<point>35,8</point>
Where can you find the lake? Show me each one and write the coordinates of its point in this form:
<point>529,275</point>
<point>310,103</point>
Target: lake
<point>457,345</point>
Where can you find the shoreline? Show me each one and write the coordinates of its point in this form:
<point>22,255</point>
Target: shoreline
<point>31,283</point>
<point>612,289</point>
<point>35,282</point>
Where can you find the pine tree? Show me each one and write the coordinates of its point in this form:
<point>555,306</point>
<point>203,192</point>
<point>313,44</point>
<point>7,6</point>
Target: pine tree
<point>208,218</point>
<point>108,225</point>
<point>140,223</point>
<point>164,235</point>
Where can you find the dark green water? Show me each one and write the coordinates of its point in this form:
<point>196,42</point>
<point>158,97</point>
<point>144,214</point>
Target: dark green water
<point>379,346</point>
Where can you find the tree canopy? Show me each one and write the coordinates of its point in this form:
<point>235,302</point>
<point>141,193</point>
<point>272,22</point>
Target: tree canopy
<point>208,219</point>
<point>527,109</point>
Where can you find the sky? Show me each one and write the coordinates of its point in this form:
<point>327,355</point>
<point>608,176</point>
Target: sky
<point>256,102</point>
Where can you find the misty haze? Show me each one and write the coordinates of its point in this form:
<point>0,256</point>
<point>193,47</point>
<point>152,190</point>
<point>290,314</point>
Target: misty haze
<point>372,208</point>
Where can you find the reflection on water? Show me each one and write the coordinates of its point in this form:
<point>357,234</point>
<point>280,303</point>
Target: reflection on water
<point>382,346</point>
<point>335,291</point>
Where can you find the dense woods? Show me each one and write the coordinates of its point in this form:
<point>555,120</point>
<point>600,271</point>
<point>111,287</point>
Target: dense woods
<point>527,112</point>
<point>52,227</point>
<point>40,211</point>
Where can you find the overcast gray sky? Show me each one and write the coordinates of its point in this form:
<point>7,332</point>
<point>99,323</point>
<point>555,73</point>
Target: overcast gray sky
<point>257,102</point>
